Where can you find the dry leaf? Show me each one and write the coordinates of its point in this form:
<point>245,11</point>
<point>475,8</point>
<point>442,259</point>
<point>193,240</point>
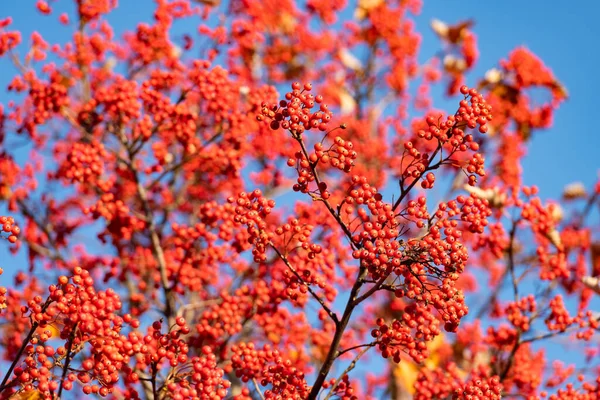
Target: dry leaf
<point>492,195</point>
<point>575,190</point>
<point>493,76</point>
<point>347,102</point>
<point>212,3</point>
<point>554,237</point>
<point>591,283</point>
<point>349,60</point>
<point>595,258</point>
<point>451,33</point>
<point>454,65</point>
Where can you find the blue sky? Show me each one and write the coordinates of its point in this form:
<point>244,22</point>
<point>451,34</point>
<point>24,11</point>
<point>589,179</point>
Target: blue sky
<point>563,34</point>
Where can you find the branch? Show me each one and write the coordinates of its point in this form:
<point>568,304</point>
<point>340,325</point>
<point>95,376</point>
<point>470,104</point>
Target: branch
<point>67,360</point>
<point>339,332</point>
<point>350,368</point>
<point>355,347</point>
<point>157,249</point>
<point>329,312</point>
<point>258,389</point>
<point>34,326</point>
<point>511,260</point>
<point>318,182</point>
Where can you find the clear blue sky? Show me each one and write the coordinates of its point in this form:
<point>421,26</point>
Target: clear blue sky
<point>563,34</point>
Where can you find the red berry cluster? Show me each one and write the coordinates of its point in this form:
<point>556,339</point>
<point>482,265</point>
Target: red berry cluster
<point>439,383</point>
<point>223,319</point>
<point>207,381</point>
<point>10,230</point>
<point>8,39</point>
<point>270,369</point>
<point>475,112</point>
<point>251,209</point>
<point>379,249</point>
<point>121,222</point>
<point>82,316</point>
<point>177,119</point>
<point>559,318</point>
<point>120,100</point>
<point>409,335</point>
<point>474,212</point>
<point>340,155</point>
<point>503,336</point>
<point>294,232</point>
<point>48,98</point>
<point>168,347</point>
<point>343,390</point>
<point>305,175</point>
<point>480,388</point>
<point>361,192</point>
<point>296,111</point>
<point>420,160</point>
<point>446,382</point>
<point>84,163</point>
<point>543,221</point>
<point>515,312</point>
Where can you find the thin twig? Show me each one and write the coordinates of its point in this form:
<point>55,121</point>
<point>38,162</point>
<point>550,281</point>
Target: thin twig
<point>258,389</point>
<point>325,307</point>
<point>67,360</point>
<point>34,326</point>
<point>346,371</point>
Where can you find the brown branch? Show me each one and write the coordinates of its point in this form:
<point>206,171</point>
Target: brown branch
<point>325,307</point>
<point>67,360</point>
<point>339,332</point>
<point>346,371</point>
<point>34,326</point>
<point>327,204</point>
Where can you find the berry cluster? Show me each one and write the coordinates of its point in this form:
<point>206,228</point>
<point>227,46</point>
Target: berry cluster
<point>9,229</point>
<point>251,209</point>
<point>343,390</point>
<point>8,39</point>
<point>223,319</point>
<point>270,369</point>
<point>409,335</point>
<point>559,318</point>
<point>121,223</point>
<point>481,388</point>
<point>379,250</point>
<point>474,212</point>
<point>515,312</point>
<point>84,163</point>
<point>296,111</point>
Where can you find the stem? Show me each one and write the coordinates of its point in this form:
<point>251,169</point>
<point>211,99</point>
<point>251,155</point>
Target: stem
<point>350,368</point>
<point>154,381</point>
<point>34,326</point>
<point>328,310</point>
<point>258,389</point>
<point>339,332</point>
<point>67,360</point>
<point>329,208</point>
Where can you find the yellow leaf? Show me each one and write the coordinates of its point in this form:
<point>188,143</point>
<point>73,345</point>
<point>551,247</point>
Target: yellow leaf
<point>53,328</point>
<point>364,7</point>
<point>33,394</point>
<point>406,372</point>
